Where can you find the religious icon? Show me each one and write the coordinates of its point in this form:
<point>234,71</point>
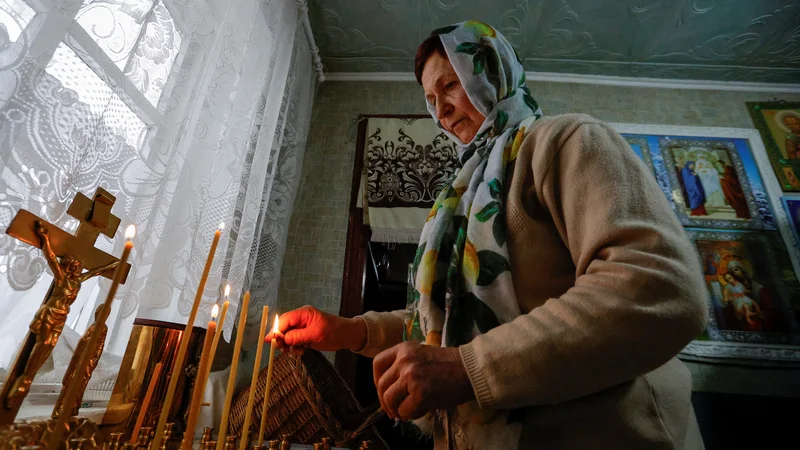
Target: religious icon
<point>640,146</point>
<point>791,178</point>
<point>779,125</point>
<point>791,204</point>
<point>715,183</point>
<point>750,282</point>
<point>709,184</point>
<point>67,257</point>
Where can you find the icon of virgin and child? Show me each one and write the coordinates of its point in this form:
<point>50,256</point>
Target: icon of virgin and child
<point>741,302</point>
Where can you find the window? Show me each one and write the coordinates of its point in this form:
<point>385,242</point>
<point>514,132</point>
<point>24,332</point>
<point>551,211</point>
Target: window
<point>131,45</point>
<point>113,63</point>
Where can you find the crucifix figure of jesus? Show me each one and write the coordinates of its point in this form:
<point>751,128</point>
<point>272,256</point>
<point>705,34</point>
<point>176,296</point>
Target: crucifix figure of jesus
<point>67,256</point>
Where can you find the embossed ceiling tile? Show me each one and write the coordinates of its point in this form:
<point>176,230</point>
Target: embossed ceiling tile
<point>671,26</point>
<point>749,33</point>
<point>542,28</point>
<point>726,40</point>
<point>365,28</point>
<point>440,13</point>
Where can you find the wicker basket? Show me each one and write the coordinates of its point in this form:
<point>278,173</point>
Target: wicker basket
<point>308,401</point>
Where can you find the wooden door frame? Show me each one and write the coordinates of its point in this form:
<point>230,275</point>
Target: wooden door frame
<point>355,254</point>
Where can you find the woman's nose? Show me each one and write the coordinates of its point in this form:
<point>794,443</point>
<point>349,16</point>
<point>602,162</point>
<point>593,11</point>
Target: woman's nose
<point>442,109</point>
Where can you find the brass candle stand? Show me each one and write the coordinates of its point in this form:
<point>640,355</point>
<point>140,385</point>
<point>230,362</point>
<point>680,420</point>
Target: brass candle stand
<point>74,259</point>
<point>137,401</point>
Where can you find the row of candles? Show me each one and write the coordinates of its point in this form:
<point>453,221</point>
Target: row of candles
<point>207,356</point>
<point>213,335</point>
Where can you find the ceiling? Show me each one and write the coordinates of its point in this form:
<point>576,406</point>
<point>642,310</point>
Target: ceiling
<point>721,40</point>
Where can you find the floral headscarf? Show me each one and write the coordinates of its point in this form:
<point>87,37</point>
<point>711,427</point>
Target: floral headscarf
<point>460,279</point>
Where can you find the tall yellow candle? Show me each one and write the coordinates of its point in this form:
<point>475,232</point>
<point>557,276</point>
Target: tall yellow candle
<point>73,390</point>
<point>177,366</point>
<point>199,386</point>
<point>237,346</point>
<point>265,407</point>
<point>203,373</point>
<point>248,412</point>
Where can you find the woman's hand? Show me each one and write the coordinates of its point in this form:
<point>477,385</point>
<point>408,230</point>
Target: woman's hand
<point>308,327</point>
<point>413,379</point>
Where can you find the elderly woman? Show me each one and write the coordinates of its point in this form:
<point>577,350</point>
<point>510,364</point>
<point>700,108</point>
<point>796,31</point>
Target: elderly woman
<point>553,286</point>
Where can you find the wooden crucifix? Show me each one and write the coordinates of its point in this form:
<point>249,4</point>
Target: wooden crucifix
<point>67,255</point>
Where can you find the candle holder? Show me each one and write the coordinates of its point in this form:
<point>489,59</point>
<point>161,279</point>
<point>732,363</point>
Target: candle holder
<point>167,436</point>
<point>143,440</point>
<point>207,432</point>
<point>230,443</point>
<point>37,432</point>
<point>114,443</point>
<point>151,342</point>
<point>77,444</point>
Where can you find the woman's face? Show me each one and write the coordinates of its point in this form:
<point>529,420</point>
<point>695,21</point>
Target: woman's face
<point>444,91</point>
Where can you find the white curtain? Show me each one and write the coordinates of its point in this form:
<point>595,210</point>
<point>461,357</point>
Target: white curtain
<point>191,113</point>
<point>285,166</point>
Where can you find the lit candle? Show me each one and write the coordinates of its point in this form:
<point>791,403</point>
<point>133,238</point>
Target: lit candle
<point>254,380</point>
<point>237,346</point>
<point>199,384</point>
<point>272,348</point>
<point>146,403</point>
<point>218,334</point>
<point>177,365</point>
<point>73,390</point>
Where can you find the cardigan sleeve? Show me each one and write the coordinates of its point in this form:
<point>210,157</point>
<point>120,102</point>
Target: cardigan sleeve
<point>384,330</point>
<point>638,297</point>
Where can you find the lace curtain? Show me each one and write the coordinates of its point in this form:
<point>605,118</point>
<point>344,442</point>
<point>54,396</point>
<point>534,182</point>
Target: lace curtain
<point>191,113</point>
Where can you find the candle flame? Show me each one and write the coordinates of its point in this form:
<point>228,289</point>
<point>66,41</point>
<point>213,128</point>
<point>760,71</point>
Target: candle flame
<point>215,311</point>
<point>130,232</point>
<point>221,226</point>
<point>275,328</point>
<point>227,290</point>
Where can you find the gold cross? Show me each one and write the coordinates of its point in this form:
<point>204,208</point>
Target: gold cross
<point>61,249</point>
<point>95,218</point>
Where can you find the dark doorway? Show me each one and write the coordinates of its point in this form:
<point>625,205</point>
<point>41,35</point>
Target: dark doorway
<point>385,289</point>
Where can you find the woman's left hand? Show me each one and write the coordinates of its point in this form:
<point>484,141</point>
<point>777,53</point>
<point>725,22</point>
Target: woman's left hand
<point>413,379</point>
